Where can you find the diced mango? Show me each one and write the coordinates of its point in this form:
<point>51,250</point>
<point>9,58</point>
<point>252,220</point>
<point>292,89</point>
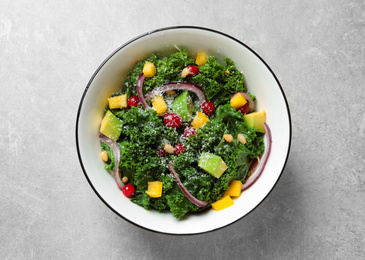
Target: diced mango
<point>111,126</point>
<point>234,189</point>
<point>149,69</point>
<point>199,120</point>
<point>154,189</point>
<point>238,101</point>
<point>201,59</point>
<point>223,203</point>
<point>118,102</point>
<point>256,120</point>
<point>213,164</point>
<point>159,104</point>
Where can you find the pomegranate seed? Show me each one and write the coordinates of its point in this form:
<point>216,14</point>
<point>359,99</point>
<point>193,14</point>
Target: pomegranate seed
<point>128,190</point>
<point>189,131</point>
<point>133,101</point>
<point>208,108</point>
<point>193,70</point>
<point>172,120</point>
<point>179,148</point>
<point>161,152</point>
<point>244,109</point>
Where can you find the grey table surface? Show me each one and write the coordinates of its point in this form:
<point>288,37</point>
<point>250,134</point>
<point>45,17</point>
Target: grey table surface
<point>50,49</point>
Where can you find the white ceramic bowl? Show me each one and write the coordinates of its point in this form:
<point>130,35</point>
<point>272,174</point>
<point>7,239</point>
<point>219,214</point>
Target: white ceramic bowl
<point>109,77</point>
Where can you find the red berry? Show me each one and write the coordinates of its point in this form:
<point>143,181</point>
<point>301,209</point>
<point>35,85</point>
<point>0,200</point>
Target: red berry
<point>133,101</point>
<point>179,148</point>
<point>193,70</point>
<point>161,152</point>
<point>244,109</point>
<point>189,131</point>
<point>128,190</point>
<point>172,120</point>
<point>208,108</point>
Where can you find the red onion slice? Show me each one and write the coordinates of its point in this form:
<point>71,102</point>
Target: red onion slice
<point>178,86</point>
<point>255,164</point>
<point>194,200</point>
<point>165,87</point>
<point>251,103</point>
<point>253,178</point>
<point>140,92</point>
<point>116,151</point>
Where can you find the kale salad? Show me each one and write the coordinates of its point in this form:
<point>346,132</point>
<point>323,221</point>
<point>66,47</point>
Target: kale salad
<point>182,134</point>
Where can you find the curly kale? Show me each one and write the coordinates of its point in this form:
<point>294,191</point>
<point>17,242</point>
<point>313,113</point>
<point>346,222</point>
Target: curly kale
<point>167,69</point>
<point>219,81</point>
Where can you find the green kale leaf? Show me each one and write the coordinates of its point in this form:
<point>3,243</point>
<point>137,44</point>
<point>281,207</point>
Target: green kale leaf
<point>219,81</point>
<point>167,69</point>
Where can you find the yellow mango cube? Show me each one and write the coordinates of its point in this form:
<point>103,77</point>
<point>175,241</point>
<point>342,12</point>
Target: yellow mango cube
<point>159,104</point>
<point>223,203</point>
<point>154,189</point>
<point>199,120</point>
<point>256,120</point>
<point>111,126</point>
<point>149,69</point>
<point>201,59</point>
<point>117,102</point>
<point>234,189</point>
<point>238,101</point>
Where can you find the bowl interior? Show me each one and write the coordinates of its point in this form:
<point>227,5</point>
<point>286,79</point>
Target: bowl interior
<point>110,76</point>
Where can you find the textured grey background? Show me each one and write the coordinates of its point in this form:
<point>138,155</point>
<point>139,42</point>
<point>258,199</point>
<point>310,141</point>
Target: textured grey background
<point>50,49</point>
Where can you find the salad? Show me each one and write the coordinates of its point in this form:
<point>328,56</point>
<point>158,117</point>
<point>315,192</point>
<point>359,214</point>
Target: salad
<point>183,134</point>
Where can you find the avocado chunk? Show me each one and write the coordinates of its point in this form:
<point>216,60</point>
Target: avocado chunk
<point>183,105</point>
<point>256,120</point>
<point>111,126</point>
<point>213,164</point>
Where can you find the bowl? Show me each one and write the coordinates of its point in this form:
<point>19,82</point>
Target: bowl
<point>109,77</point>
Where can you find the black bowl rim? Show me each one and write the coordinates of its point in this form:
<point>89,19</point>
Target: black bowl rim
<point>156,31</point>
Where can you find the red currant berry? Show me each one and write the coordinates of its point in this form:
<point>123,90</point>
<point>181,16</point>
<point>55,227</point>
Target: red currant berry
<point>179,148</point>
<point>193,70</point>
<point>244,109</point>
<point>172,120</point>
<point>128,190</point>
<point>133,101</point>
<point>208,108</point>
<point>161,152</point>
<point>189,131</point>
